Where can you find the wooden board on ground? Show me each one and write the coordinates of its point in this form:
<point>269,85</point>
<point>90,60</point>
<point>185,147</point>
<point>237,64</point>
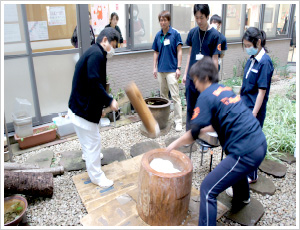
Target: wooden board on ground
<point>116,206</point>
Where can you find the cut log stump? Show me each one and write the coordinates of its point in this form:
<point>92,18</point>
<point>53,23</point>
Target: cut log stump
<point>29,183</point>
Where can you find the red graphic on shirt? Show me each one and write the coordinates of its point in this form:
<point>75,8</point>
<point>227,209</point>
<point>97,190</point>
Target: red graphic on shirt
<point>221,89</point>
<point>99,13</point>
<point>231,100</point>
<point>196,113</point>
<point>219,47</point>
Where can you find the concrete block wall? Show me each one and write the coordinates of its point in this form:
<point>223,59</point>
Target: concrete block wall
<point>137,67</point>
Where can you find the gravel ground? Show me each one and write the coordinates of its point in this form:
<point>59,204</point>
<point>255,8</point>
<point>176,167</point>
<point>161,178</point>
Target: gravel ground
<point>65,207</point>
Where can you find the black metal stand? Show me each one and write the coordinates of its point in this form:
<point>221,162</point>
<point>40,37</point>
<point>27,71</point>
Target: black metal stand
<point>205,145</point>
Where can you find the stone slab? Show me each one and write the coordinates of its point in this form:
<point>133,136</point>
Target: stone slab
<point>249,215</point>
<point>182,149</point>
<point>273,168</point>
<point>143,147</point>
<point>72,160</point>
<point>263,186</point>
<point>286,157</point>
<point>112,154</point>
<point>43,159</point>
<point>163,132</point>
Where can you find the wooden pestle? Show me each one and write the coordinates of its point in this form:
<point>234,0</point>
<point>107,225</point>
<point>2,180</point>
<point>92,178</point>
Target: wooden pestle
<point>137,100</point>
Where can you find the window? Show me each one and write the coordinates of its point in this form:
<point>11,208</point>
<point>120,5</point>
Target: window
<point>215,9</point>
<point>283,19</point>
<point>270,21</point>
<point>145,24</point>
<point>235,14</point>
<point>14,37</point>
<point>186,21</point>
<point>100,17</point>
<point>252,16</point>
<point>51,26</point>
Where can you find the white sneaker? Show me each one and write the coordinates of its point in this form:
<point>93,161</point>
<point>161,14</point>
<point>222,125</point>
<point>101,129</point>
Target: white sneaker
<point>101,156</point>
<point>104,182</point>
<point>229,191</point>
<point>252,181</point>
<point>178,127</point>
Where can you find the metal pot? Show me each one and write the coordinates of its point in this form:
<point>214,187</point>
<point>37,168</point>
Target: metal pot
<point>211,138</point>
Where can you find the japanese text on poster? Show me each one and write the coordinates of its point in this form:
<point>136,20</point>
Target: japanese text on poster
<point>38,30</point>
<point>56,15</point>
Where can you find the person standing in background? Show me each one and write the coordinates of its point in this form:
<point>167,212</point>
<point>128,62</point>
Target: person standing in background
<point>114,18</point>
<point>203,40</point>
<point>216,22</point>
<point>74,38</point>
<point>256,81</point>
<point>167,63</point>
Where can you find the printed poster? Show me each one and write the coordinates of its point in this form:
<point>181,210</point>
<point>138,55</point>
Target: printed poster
<point>10,13</point>
<point>38,30</point>
<point>100,17</point>
<point>12,33</point>
<point>56,15</point>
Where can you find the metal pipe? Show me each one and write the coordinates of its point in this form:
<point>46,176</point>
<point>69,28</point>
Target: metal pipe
<point>8,143</point>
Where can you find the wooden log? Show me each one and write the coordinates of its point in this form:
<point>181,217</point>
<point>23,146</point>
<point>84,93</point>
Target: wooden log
<point>58,170</point>
<point>163,198</point>
<point>16,166</point>
<point>29,183</point>
<point>139,104</point>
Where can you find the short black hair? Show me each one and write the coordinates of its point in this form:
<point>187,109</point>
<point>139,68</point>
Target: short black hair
<point>216,18</point>
<point>202,8</point>
<point>111,33</point>
<point>253,34</point>
<point>204,68</point>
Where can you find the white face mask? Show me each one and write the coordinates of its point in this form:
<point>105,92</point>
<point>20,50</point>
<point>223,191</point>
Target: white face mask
<point>110,53</point>
<point>214,26</point>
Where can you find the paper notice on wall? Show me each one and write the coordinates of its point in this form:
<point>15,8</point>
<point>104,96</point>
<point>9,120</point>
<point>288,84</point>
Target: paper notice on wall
<point>38,30</point>
<point>10,13</point>
<point>56,15</point>
<point>12,33</point>
<point>100,17</point>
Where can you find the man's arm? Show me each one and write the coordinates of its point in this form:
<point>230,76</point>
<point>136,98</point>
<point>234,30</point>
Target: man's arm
<point>215,60</point>
<point>179,60</point>
<point>187,65</point>
<point>155,58</point>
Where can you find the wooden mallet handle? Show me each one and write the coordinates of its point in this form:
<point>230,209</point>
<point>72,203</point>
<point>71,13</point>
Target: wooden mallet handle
<point>139,104</point>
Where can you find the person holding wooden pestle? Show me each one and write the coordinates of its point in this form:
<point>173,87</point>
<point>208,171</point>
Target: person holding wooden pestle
<point>239,132</point>
<point>87,99</point>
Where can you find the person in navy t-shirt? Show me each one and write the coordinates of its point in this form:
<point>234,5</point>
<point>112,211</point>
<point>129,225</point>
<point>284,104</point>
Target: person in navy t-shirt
<point>216,22</point>
<point>203,41</point>
<point>240,135</point>
<point>167,63</point>
<point>257,77</point>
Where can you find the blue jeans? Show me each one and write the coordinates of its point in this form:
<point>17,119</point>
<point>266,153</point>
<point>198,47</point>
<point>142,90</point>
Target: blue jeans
<point>232,171</point>
<point>192,95</point>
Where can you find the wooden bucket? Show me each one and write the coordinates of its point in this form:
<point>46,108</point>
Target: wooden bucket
<point>163,198</point>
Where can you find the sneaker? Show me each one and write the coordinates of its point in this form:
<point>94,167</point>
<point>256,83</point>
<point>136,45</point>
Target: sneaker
<point>178,127</point>
<point>252,181</point>
<point>101,156</point>
<point>229,192</point>
<point>104,182</point>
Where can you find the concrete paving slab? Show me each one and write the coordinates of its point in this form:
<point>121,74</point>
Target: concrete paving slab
<point>72,160</point>
<point>263,186</point>
<point>143,147</point>
<point>286,157</point>
<point>273,168</point>
<point>43,159</point>
<point>112,154</point>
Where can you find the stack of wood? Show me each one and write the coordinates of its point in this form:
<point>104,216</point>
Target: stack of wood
<point>30,179</point>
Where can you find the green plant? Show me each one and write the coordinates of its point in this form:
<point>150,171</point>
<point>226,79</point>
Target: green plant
<point>280,126</point>
<point>275,62</point>
<point>291,92</point>
<point>284,71</point>
<point>119,95</point>
<point>241,66</point>
<point>234,81</point>
<point>234,71</point>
